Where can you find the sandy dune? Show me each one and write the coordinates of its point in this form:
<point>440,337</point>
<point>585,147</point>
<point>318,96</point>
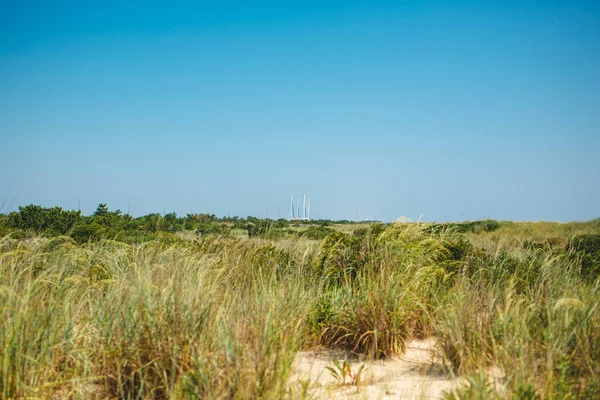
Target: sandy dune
<point>418,374</point>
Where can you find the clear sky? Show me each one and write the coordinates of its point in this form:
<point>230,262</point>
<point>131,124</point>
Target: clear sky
<point>457,110</point>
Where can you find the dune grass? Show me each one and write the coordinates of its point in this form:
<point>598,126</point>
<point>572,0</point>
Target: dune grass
<point>224,317</point>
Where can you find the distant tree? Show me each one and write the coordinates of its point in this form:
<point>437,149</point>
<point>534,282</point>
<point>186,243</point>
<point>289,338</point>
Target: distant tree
<point>43,220</point>
<point>101,211</point>
<point>87,230</point>
<point>103,223</point>
<point>281,223</point>
<point>201,218</point>
<point>316,232</point>
<point>150,222</point>
<point>171,223</point>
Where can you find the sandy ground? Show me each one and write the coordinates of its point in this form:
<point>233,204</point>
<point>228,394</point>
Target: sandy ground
<point>418,374</point>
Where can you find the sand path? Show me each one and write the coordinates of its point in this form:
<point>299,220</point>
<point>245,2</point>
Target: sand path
<point>418,374</point>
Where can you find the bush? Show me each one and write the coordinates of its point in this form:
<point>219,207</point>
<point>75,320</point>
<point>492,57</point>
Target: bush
<point>170,223</point>
<point>53,221</point>
<point>316,232</point>
<point>3,228</point>
<point>377,229</point>
<point>588,246</point>
<point>262,227</point>
<point>212,228</point>
<point>105,224</point>
<point>88,231</point>
<point>488,225</point>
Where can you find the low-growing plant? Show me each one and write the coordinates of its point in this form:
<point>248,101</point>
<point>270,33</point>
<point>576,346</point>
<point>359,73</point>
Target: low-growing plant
<point>340,371</point>
<point>477,387</point>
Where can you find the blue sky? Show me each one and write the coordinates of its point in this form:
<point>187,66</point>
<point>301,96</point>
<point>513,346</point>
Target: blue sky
<point>454,110</point>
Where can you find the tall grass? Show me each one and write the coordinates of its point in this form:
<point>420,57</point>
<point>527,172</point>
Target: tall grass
<point>532,315</point>
<point>224,317</point>
<point>148,321</point>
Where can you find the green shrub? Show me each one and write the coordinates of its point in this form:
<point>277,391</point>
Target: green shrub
<point>170,223</point>
<point>53,221</point>
<point>588,246</point>
<point>321,316</point>
<point>212,228</point>
<point>257,227</point>
<point>478,387</point>
<point>377,229</point>
<point>88,230</point>
<point>3,228</point>
<point>488,225</point>
<point>525,392</point>
<point>316,232</point>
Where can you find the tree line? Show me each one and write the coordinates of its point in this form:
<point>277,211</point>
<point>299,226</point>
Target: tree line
<point>114,224</point>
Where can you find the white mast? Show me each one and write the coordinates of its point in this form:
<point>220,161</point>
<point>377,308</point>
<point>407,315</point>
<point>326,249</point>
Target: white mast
<point>295,212</point>
<point>304,208</point>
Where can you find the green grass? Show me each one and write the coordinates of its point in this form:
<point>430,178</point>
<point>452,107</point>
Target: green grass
<point>223,317</point>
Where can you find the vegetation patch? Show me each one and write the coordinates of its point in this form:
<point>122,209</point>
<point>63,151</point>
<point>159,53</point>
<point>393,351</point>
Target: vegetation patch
<point>588,246</point>
<point>162,306</point>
